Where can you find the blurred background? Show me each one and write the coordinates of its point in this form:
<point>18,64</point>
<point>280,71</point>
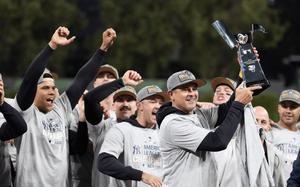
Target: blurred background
<point>156,38</point>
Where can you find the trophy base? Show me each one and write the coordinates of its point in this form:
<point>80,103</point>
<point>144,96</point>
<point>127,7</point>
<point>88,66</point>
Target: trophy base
<point>263,83</point>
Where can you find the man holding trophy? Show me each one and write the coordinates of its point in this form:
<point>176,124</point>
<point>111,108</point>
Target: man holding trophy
<point>253,163</point>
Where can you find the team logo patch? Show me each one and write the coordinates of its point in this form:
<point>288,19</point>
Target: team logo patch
<point>185,76</point>
<point>152,89</point>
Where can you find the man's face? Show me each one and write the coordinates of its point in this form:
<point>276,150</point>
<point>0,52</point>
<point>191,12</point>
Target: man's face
<point>125,106</point>
<point>222,94</point>
<point>262,118</point>
<point>288,113</point>
<point>45,95</point>
<point>103,78</point>
<point>148,108</point>
<point>185,97</point>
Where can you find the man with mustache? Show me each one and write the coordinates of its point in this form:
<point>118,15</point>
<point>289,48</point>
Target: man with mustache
<point>124,102</point>
<point>285,136</point>
<point>130,151</point>
<point>186,141</point>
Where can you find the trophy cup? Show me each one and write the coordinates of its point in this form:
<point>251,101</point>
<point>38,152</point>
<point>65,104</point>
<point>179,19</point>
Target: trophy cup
<point>250,66</point>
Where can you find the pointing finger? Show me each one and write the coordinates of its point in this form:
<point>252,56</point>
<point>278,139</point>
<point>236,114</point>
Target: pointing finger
<point>255,87</point>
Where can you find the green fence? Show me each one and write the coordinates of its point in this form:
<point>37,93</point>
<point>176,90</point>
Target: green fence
<point>267,99</point>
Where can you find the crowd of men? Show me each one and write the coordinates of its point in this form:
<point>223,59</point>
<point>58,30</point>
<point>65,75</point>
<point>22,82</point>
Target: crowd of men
<point>113,136</point>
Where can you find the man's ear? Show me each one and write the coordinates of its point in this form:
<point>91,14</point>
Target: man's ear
<point>139,106</point>
<point>170,93</point>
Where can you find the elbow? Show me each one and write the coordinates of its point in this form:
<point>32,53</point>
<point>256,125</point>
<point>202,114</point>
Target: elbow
<point>20,130</point>
<point>101,163</point>
<point>24,128</point>
<point>222,146</point>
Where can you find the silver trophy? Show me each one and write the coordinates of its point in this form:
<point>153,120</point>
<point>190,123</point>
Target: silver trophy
<point>250,66</point>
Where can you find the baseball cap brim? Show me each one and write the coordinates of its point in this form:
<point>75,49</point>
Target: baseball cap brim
<point>121,93</point>
<point>291,100</point>
<point>46,74</point>
<point>164,95</point>
<point>198,82</point>
<point>221,81</point>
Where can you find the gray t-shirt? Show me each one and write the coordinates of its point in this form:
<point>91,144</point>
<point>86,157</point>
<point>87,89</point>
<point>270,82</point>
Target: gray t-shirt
<point>81,164</point>
<point>7,155</point>
<point>288,142</point>
<point>43,150</point>
<point>5,176</point>
<point>5,169</point>
<point>180,136</point>
<point>98,133</point>
<point>136,147</point>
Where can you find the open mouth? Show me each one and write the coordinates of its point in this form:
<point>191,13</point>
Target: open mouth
<point>220,98</point>
<point>50,101</point>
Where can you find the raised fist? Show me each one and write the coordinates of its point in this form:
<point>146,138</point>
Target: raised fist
<point>59,38</point>
<point>132,78</point>
<point>108,37</point>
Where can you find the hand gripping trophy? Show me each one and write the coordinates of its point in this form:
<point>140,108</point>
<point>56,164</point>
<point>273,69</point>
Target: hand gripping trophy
<point>250,66</point>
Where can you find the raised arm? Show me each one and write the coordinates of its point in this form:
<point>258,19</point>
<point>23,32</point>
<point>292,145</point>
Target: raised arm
<point>219,139</point>
<point>27,90</point>
<point>15,124</point>
<point>79,139</point>
<point>93,111</point>
<point>87,72</point>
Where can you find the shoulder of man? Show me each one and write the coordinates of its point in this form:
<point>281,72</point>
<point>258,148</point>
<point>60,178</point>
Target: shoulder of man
<point>178,118</point>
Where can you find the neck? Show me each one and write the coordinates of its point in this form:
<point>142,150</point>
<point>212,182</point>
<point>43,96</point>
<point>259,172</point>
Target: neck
<point>183,110</point>
<point>292,127</point>
<point>143,123</point>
